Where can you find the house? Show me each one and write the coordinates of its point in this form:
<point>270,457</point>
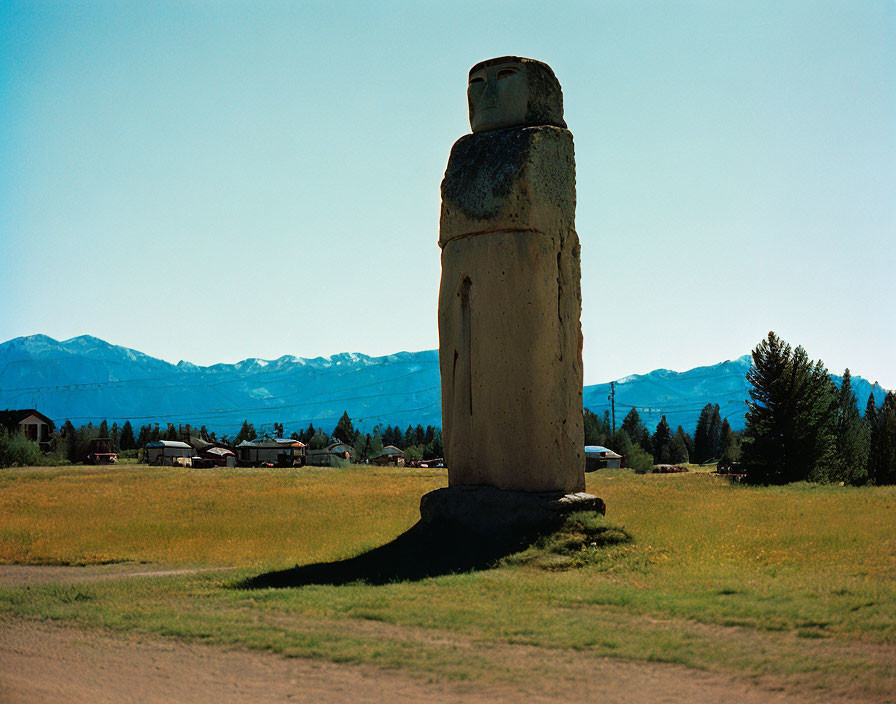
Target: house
<point>213,453</point>
<point>33,424</point>
<point>389,455</point>
<point>600,457</point>
<point>336,454</point>
<point>168,452</point>
<point>279,452</point>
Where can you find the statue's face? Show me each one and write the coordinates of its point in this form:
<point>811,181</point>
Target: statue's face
<point>498,96</point>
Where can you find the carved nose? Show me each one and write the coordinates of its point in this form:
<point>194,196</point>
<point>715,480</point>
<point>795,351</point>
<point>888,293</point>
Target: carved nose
<point>490,96</point>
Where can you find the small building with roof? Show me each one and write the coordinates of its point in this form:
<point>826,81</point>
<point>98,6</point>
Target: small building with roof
<point>600,457</point>
<point>168,453</point>
<point>213,453</point>
<point>279,452</point>
<point>389,455</point>
<point>336,454</point>
<point>33,424</point>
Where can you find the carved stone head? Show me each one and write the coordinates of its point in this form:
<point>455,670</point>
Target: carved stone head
<point>513,92</point>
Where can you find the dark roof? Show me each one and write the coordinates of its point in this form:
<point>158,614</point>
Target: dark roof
<point>388,450</point>
<point>11,418</point>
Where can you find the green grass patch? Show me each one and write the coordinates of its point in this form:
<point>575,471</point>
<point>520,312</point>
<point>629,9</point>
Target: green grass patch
<point>789,582</point>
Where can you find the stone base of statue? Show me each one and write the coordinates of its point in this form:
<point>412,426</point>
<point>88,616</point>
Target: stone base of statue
<point>490,512</point>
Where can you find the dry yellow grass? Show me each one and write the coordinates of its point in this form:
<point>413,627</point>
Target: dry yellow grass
<point>233,517</point>
<point>792,583</point>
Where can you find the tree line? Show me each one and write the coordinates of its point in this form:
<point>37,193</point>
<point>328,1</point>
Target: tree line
<point>801,427</point>
<point>713,440</point>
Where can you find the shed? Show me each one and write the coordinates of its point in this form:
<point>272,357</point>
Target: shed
<point>280,452</point>
<point>600,457</point>
<point>166,452</point>
<point>337,454</point>
<point>389,455</point>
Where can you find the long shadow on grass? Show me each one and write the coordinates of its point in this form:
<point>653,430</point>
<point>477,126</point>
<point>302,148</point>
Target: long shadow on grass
<point>421,552</point>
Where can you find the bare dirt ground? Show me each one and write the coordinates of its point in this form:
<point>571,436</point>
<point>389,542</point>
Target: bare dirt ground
<point>50,662</point>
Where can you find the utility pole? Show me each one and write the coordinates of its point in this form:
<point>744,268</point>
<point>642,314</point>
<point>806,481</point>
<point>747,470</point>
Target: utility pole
<point>612,398</point>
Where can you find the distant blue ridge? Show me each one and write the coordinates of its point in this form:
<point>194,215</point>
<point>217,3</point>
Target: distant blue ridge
<point>86,379</point>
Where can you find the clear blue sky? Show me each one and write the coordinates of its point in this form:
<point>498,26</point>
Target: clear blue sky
<point>212,181</point>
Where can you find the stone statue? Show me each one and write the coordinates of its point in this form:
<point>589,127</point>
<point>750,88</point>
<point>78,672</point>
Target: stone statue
<point>510,342</point>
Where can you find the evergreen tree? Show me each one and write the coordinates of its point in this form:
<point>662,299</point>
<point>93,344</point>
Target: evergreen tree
<point>621,444</point>
<point>679,447</point>
<point>361,447</point>
<point>171,432</point>
<point>114,434</point>
<point>430,435</point>
<point>791,417</point>
<point>730,445</point>
<point>376,442</point>
<point>688,442</point>
<point>344,429</point>
<point>882,457</point>
<point>636,430</point>
<point>126,439</point>
<point>870,411</point>
<point>388,437</point>
<point>853,437</point>
<point>433,449</point>
<point>702,444</point>
<point>817,424</point>
<point>633,455</point>
<point>103,430</point>
<point>155,434</point>
<point>247,432</point>
<point>68,434</point>
<point>308,434</point>
<point>143,436</point>
<point>662,443</point>
<point>203,434</point>
<point>597,429</point>
<point>295,436</point>
<point>419,435</point>
<point>715,433</point>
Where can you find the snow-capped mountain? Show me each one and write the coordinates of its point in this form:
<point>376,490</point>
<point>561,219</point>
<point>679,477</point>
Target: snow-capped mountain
<point>87,379</point>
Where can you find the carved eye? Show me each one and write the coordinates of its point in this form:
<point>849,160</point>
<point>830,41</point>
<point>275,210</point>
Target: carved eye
<point>506,72</point>
<point>477,79</point>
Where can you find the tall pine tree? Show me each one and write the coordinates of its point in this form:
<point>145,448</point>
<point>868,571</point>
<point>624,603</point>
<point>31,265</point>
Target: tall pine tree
<point>636,430</point>
<point>662,442</point>
<point>852,437</point>
<point>882,457</point>
<point>702,444</point>
<point>126,439</point>
<point>791,417</point>
<point>344,429</point>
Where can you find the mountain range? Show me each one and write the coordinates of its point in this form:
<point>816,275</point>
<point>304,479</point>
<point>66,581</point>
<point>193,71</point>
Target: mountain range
<point>86,379</point>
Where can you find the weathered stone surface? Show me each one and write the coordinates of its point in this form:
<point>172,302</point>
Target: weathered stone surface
<point>509,313</point>
<point>512,91</point>
<point>488,511</point>
<point>514,179</point>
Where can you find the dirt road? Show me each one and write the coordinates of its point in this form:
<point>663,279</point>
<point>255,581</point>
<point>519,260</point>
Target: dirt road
<point>50,662</point>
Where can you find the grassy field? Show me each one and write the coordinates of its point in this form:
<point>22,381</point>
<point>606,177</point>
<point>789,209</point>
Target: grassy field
<point>790,586</point>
